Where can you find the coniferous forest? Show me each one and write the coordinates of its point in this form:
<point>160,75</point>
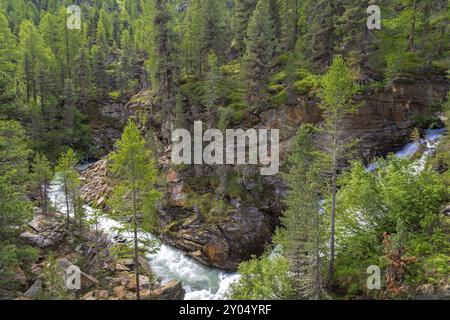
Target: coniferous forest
<point>93,205</point>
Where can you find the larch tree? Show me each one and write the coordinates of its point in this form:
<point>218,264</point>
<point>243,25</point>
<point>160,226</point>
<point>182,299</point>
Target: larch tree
<point>135,195</point>
<point>66,174</point>
<point>8,56</point>
<point>338,90</point>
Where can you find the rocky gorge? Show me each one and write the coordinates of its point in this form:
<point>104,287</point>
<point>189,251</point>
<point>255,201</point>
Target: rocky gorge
<point>221,227</point>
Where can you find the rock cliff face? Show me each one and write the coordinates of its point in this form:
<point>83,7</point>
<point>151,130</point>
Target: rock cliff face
<point>222,216</point>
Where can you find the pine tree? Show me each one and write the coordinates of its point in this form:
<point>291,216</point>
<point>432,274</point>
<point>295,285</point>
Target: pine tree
<point>302,235</point>
<point>42,176</point>
<point>338,90</point>
<point>259,53</point>
<point>135,194</point>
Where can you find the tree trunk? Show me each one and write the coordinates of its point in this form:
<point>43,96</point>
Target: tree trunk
<point>413,27</point>
<point>136,247</point>
<point>332,240</point>
<point>66,194</point>
<point>442,42</point>
<point>333,207</point>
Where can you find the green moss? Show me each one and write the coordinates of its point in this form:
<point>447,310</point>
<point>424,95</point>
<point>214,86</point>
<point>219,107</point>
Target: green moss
<point>278,99</point>
<point>307,85</point>
<point>278,78</point>
<point>232,68</point>
<point>114,95</point>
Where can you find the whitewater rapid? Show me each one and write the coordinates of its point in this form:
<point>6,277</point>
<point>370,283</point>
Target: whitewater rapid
<point>430,143</point>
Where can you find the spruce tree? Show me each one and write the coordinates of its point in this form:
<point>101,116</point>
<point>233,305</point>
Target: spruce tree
<point>99,73</point>
<point>259,53</point>
<point>320,38</point>
<point>356,41</point>
<point>302,235</point>
<point>166,67</point>
<point>243,11</point>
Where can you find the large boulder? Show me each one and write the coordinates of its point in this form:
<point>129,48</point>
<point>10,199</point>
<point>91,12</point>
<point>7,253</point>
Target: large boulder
<point>173,290</point>
<point>34,290</point>
<point>44,232</point>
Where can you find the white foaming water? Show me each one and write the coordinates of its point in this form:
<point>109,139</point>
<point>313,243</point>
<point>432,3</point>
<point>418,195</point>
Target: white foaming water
<point>431,141</point>
<point>200,282</point>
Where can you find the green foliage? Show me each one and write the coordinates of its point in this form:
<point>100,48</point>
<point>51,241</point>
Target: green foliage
<point>135,195</point>
<point>53,279</point>
<point>41,177</point>
<point>265,278</point>
<point>67,176</point>
<point>302,235</point>
<point>396,197</point>
<point>15,209</point>
<point>259,53</point>
<point>307,85</point>
<point>8,55</point>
